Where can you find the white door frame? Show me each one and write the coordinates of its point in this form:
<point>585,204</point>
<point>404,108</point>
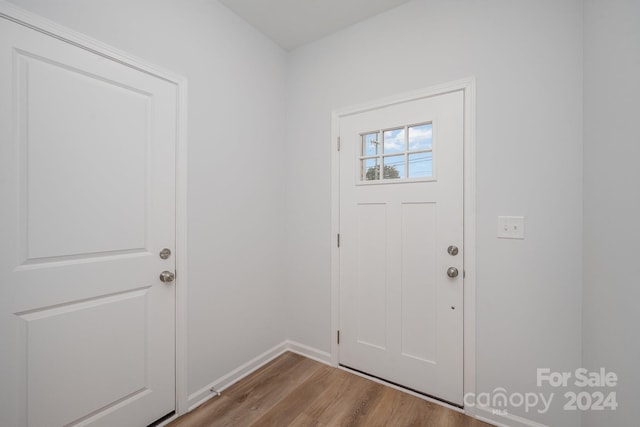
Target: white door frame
<point>468,87</point>
<point>37,23</point>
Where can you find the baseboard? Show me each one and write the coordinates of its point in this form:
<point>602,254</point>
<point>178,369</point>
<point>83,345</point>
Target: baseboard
<point>309,352</point>
<point>500,419</point>
<point>199,397</point>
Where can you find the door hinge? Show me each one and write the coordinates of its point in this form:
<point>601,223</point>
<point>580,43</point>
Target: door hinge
<point>338,239</point>
<point>338,337</point>
<point>338,143</point>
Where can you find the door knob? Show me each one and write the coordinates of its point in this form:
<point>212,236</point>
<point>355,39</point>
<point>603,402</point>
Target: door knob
<point>452,272</point>
<point>167,277</point>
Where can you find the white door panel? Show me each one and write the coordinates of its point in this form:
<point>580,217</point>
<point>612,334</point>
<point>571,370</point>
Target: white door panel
<point>87,162</point>
<point>401,316</point>
<point>115,124</point>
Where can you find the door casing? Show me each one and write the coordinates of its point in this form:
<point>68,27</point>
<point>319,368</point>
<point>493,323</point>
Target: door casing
<point>468,87</point>
<point>37,23</point>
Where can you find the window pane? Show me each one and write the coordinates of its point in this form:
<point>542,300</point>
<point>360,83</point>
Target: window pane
<point>370,144</point>
<point>394,141</point>
<point>420,137</point>
<point>420,165</point>
<point>370,169</point>
<point>394,167</point>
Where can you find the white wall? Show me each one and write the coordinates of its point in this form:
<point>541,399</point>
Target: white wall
<point>236,197</point>
<point>612,201</point>
<point>245,297</point>
<point>527,57</point>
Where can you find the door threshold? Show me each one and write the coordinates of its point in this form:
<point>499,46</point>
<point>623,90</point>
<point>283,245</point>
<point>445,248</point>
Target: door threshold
<point>162,420</point>
<point>400,387</point>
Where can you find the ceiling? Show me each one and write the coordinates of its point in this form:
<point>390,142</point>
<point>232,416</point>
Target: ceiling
<point>293,23</point>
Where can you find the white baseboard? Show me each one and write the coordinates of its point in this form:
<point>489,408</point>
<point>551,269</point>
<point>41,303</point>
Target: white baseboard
<point>498,419</point>
<point>199,397</point>
<point>309,352</point>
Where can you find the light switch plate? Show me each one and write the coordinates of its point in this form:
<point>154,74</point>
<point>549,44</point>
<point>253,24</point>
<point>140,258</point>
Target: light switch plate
<point>511,227</point>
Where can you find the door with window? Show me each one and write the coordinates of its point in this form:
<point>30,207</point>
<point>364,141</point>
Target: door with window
<point>87,167</point>
<point>401,244</point>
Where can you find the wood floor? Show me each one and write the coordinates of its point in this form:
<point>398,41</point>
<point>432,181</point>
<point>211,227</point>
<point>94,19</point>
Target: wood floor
<point>295,391</point>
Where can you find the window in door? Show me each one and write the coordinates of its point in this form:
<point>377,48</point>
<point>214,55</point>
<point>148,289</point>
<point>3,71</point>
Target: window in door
<point>402,153</point>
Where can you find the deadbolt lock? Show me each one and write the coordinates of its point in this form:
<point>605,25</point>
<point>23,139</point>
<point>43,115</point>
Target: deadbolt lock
<point>165,253</point>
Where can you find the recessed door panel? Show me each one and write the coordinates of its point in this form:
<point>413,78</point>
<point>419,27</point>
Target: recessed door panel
<point>101,135</point>
<point>70,346</point>
<point>372,276</point>
<point>418,288</point>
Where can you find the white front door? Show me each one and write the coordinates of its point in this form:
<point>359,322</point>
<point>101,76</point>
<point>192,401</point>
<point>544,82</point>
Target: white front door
<point>401,208</point>
<point>87,191</point>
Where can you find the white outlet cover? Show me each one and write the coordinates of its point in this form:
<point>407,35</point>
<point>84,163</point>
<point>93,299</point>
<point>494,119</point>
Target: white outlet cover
<point>510,227</point>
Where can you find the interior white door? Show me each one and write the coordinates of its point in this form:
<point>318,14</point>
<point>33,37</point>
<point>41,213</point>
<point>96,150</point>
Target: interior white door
<point>401,207</point>
<point>87,165</point>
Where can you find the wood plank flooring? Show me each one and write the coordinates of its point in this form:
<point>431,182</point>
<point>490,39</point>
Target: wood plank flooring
<point>292,390</point>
